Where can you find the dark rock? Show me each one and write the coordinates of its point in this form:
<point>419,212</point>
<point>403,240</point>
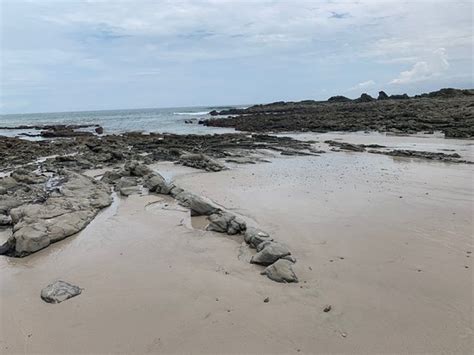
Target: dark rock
<point>382,96</point>
<point>365,98</point>
<point>99,130</point>
<point>339,99</point>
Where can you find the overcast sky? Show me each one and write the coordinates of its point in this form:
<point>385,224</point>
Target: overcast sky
<point>84,55</point>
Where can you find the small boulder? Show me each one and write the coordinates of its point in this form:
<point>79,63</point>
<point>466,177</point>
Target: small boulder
<point>270,253</point>
<point>99,130</point>
<point>281,271</point>
<point>59,291</point>
<point>157,183</point>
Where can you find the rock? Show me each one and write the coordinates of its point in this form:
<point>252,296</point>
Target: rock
<point>225,222</point>
<point>59,291</point>
<point>382,96</point>
<point>62,214</point>
<point>254,236</point>
<point>157,183</point>
<point>129,190</point>
<point>346,146</point>
<point>214,113</point>
<point>5,220</point>
<point>197,205</point>
<point>365,98</point>
<point>111,176</point>
<point>399,97</point>
<point>270,253</point>
<point>266,300</point>
<point>135,168</point>
<point>290,258</point>
<point>201,161</point>
<point>27,177</point>
<point>339,98</point>
<point>99,130</point>
<point>281,271</point>
<point>327,308</point>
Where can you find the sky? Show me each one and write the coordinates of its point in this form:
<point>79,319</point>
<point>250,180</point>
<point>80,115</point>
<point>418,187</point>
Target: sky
<point>72,55</point>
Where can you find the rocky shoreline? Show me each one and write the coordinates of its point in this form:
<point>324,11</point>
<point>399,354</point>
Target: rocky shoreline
<point>450,111</point>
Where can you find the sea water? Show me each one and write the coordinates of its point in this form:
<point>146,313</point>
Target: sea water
<point>169,120</point>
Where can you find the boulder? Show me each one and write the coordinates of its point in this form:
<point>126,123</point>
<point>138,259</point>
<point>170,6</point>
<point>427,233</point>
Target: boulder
<point>99,130</point>
<point>157,183</point>
<point>254,236</point>
<point>225,222</point>
<point>281,271</point>
<point>270,253</point>
<point>59,291</point>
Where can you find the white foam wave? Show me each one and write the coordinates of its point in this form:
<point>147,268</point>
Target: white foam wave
<point>200,113</point>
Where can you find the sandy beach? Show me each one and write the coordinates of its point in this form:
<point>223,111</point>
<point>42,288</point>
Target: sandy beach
<point>386,241</point>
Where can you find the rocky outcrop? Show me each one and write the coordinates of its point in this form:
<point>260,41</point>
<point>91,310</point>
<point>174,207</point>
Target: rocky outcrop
<point>438,156</point>
<point>64,212</point>
<point>449,111</point>
<point>200,161</point>
<point>382,96</point>
<point>59,291</point>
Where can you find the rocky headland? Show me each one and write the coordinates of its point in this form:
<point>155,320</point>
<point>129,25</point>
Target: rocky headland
<point>450,111</point>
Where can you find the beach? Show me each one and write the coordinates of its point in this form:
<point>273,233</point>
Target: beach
<point>386,241</point>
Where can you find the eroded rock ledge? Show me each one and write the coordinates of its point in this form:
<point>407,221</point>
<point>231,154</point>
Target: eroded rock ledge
<point>44,209</point>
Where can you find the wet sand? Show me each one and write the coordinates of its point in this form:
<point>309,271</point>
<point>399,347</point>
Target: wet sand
<point>383,240</point>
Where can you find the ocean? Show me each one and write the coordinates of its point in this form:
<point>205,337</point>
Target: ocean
<point>169,120</point>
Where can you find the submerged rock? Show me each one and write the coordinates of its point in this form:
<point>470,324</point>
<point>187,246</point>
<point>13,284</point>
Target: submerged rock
<point>281,271</point>
<point>59,291</point>
<point>270,253</point>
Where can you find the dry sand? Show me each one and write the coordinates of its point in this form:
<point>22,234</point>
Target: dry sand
<point>383,240</point>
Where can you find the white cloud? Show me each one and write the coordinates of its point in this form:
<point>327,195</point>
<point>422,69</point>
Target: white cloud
<point>364,85</point>
<point>434,66</point>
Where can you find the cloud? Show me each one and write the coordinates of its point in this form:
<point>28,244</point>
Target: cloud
<point>364,85</point>
<point>435,66</point>
<point>239,51</point>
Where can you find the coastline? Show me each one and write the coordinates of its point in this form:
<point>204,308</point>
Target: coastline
<point>382,239</point>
